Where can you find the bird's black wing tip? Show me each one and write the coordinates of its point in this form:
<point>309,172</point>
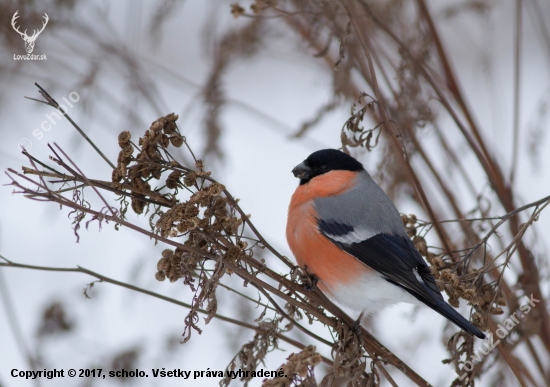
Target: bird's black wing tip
<point>479,333</point>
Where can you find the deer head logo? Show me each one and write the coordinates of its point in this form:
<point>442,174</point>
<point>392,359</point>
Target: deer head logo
<point>29,40</point>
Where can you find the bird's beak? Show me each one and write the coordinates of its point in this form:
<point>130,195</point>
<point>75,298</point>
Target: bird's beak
<point>301,171</point>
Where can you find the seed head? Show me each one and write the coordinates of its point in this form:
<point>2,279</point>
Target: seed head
<point>124,138</point>
<point>176,140</point>
<point>190,179</point>
<point>160,276</point>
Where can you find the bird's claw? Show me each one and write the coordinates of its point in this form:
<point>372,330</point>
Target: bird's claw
<point>311,285</point>
<point>356,326</point>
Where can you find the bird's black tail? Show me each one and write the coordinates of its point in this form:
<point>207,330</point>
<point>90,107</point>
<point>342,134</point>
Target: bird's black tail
<point>452,315</point>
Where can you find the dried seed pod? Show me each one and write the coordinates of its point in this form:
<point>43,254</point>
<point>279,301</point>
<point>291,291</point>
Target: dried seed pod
<point>236,10</point>
<point>298,364</point>
<point>160,276</point>
<point>170,128</point>
<point>155,125</point>
<point>134,172</point>
<point>173,276</point>
<point>449,276</point>
<point>162,264</point>
<point>190,179</point>
<point>190,211</point>
<point>220,203</point>
<point>126,152</point>
<point>176,140</point>
<point>440,285</point>
<point>122,160</point>
<point>231,226</point>
<point>469,294</point>
<point>171,117</point>
<point>188,225</point>
<point>115,176</point>
<point>124,138</point>
<point>453,301</point>
<point>215,189</point>
<point>156,172</point>
<point>138,205</point>
<point>138,184</point>
<point>151,151</point>
<point>477,320</point>
<point>204,223</point>
<point>164,141</point>
<point>175,260</point>
<point>420,244</point>
<point>158,125</point>
<point>233,253</point>
<point>121,171</point>
<point>438,262</point>
<point>173,180</point>
<point>167,253</point>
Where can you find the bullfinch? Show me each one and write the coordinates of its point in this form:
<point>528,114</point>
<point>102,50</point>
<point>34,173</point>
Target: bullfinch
<point>348,233</point>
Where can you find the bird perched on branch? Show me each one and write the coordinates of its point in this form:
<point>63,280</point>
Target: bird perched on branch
<point>348,233</point>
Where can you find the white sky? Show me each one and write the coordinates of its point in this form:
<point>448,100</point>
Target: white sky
<point>270,96</point>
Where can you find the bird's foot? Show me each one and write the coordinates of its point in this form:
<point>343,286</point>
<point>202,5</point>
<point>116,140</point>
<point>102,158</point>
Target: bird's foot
<point>356,327</point>
<point>311,285</point>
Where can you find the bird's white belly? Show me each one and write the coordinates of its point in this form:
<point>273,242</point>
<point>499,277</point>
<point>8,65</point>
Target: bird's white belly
<point>370,294</point>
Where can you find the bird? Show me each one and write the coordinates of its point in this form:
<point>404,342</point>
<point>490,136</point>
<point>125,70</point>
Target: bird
<point>350,235</point>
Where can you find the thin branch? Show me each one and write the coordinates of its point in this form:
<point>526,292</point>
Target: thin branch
<point>517,89</point>
<point>53,103</point>
<point>102,278</point>
<point>425,202</point>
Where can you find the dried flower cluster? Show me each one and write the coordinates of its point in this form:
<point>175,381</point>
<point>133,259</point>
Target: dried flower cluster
<point>298,370</point>
<point>149,162</point>
<point>398,58</point>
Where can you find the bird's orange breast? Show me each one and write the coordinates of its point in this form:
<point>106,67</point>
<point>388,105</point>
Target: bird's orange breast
<point>327,261</point>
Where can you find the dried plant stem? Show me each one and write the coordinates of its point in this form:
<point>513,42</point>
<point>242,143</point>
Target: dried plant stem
<point>370,342</point>
<point>50,101</point>
<point>517,89</point>
<point>138,289</point>
<point>364,42</point>
<point>476,142</point>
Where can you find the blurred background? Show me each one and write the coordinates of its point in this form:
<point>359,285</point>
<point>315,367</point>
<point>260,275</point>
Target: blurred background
<point>252,104</point>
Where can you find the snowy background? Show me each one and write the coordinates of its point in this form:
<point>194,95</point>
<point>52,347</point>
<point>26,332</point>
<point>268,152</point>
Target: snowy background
<point>269,97</point>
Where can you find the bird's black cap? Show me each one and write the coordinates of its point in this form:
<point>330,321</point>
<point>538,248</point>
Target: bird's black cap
<point>324,161</point>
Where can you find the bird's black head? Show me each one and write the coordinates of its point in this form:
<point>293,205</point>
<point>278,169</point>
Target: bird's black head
<point>324,161</point>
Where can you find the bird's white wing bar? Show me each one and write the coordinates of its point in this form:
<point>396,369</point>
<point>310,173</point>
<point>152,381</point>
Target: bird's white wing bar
<point>396,258</point>
<point>355,235</point>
